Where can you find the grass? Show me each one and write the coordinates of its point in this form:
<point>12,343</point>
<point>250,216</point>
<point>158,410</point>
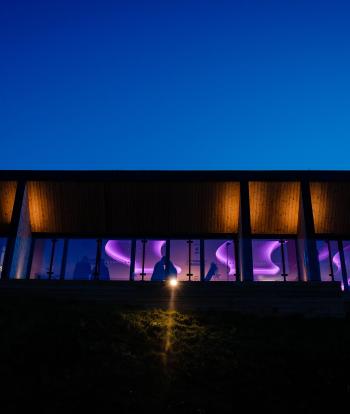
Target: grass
<point>74,356</point>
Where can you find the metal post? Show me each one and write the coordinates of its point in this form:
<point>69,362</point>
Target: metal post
<point>53,246</point>
<point>64,259</point>
<point>189,274</point>
<point>297,253</point>
<point>132,259</point>
<point>167,257</point>
<point>236,256</point>
<point>143,274</point>
<point>283,274</point>
<point>96,274</point>
<point>330,260</point>
<point>343,265</point>
<point>30,259</point>
<point>202,259</point>
<point>227,265</point>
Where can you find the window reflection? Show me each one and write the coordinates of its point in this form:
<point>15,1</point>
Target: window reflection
<point>185,257</point>
<point>220,264</point>
<point>149,259</point>
<point>275,260</point>
<point>115,260</point>
<point>81,259</point>
<point>47,259</point>
<point>329,259</point>
<point>3,242</point>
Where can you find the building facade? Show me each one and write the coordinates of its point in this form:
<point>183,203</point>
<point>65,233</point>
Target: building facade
<point>199,226</point>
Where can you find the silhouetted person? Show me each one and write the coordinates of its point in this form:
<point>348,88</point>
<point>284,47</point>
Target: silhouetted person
<point>158,274</point>
<point>211,272</point>
<point>171,271</point>
<point>82,269</point>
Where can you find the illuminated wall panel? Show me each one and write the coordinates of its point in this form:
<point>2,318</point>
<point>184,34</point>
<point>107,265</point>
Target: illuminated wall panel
<point>274,207</point>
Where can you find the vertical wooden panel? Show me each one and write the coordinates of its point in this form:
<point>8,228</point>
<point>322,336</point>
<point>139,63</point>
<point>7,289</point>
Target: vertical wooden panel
<point>7,199</point>
<point>331,207</point>
<point>274,207</point>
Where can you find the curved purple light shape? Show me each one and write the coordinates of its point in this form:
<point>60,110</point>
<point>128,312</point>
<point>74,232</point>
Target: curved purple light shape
<point>263,255</point>
<point>222,254</point>
<point>114,249</point>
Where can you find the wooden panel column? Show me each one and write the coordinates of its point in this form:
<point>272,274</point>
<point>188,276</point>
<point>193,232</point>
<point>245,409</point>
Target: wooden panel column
<point>308,255</point>
<point>244,235</point>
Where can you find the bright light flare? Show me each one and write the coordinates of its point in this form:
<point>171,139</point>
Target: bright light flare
<point>173,282</point>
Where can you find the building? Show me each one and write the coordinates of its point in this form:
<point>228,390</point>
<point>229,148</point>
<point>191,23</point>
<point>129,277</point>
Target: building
<point>201,226</point>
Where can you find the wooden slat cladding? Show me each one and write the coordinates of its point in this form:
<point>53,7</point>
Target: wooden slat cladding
<point>331,207</point>
<point>69,207</point>
<point>135,208</point>
<point>274,207</point>
<point>7,199</point>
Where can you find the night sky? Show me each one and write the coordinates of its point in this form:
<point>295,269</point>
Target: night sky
<point>175,84</point>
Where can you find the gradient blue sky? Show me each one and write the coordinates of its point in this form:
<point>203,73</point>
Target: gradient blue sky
<point>175,84</point>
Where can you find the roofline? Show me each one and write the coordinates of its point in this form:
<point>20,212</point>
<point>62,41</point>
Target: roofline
<point>175,175</point>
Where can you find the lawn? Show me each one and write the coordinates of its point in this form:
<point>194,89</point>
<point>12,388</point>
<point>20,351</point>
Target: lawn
<point>57,356</point>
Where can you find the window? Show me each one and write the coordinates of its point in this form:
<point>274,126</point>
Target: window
<point>220,263</point>
<point>185,258</point>
<point>150,260</point>
<point>47,259</point>
<point>329,259</point>
<point>81,259</point>
<point>275,260</point>
<point>115,260</point>
<point>3,242</point>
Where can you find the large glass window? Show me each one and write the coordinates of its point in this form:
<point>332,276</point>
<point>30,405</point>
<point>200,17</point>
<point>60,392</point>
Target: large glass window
<point>47,259</point>
<point>220,263</point>
<point>329,259</point>
<point>150,260</point>
<point>275,260</point>
<point>115,260</point>
<point>185,260</point>
<point>81,259</point>
<point>3,242</point>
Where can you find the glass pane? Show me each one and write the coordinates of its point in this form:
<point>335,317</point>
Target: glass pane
<point>220,262</point>
<point>179,259</point>
<point>115,260</point>
<point>43,250</point>
<point>329,257</point>
<point>346,245</point>
<point>154,260</point>
<point>267,260</point>
<point>3,242</point>
<point>81,259</point>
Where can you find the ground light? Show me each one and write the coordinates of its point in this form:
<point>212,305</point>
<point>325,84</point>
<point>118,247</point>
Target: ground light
<point>173,282</point>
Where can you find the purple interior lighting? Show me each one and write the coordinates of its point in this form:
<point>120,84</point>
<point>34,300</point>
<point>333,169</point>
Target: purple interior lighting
<point>225,256</point>
<point>263,256</point>
<point>116,250</point>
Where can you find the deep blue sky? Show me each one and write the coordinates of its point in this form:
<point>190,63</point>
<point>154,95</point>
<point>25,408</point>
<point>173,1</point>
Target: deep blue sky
<point>175,84</point>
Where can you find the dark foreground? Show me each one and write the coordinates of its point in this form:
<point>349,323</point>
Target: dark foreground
<point>57,357</point>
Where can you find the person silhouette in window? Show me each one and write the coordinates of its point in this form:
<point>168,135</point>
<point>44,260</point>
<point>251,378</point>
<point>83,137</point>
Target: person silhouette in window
<point>158,274</point>
<point>82,269</point>
<point>104,272</point>
<point>171,271</point>
<point>211,272</point>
